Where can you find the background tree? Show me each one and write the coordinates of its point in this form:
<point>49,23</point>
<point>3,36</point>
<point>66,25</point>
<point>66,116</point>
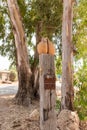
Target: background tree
<point>24,93</point>
<point>47,22</point>
<point>32,14</point>
<point>67,50</point>
<point>80,76</point>
<point>80,82</point>
<point>36,22</point>
<point>12,76</point>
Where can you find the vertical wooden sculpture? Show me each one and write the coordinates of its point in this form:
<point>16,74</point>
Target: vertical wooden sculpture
<point>47,92</point>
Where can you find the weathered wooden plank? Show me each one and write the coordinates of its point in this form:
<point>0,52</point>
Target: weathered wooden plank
<point>47,96</point>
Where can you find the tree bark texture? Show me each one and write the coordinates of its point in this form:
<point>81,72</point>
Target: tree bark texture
<point>34,67</point>
<point>47,93</point>
<point>67,80</point>
<point>24,93</point>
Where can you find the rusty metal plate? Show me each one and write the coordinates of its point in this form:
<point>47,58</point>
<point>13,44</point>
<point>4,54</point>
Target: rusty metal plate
<point>49,82</point>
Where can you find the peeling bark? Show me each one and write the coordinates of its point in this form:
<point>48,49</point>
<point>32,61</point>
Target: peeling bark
<point>24,94</point>
<point>35,69</point>
<point>67,80</point>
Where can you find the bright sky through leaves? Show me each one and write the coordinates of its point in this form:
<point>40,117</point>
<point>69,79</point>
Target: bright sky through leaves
<point>4,63</point>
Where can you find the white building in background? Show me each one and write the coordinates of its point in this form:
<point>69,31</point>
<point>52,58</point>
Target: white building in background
<point>4,75</point>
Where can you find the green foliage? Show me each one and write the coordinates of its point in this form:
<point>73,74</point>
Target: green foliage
<point>80,41</point>
<point>0,76</point>
<point>33,12</point>
<point>80,28</point>
<point>58,103</point>
<point>58,65</point>
<point>80,81</point>
<point>27,17</point>
<point>7,47</point>
<point>12,76</point>
<point>2,29</point>
<point>49,13</point>
<point>13,73</point>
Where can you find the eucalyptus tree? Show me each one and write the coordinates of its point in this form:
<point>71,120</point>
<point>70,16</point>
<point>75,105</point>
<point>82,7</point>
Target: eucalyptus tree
<point>24,93</point>
<point>67,51</point>
<point>39,17</point>
<point>47,19</point>
<point>43,18</point>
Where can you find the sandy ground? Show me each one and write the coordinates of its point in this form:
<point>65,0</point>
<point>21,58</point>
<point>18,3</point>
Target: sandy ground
<point>15,117</point>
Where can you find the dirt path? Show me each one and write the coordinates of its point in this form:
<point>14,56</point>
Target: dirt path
<point>14,117</point>
<point>8,88</point>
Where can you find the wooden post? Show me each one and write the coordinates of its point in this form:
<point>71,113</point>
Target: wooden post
<point>47,92</point>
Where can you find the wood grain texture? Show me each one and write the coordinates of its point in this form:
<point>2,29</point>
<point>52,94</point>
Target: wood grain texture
<point>47,96</point>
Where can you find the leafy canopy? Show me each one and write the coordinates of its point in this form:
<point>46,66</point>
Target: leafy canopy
<point>33,12</point>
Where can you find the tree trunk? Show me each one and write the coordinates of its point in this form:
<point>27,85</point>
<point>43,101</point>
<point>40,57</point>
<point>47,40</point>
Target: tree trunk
<point>35,69</point>
<point>24,93</point>
<point>67,84</point>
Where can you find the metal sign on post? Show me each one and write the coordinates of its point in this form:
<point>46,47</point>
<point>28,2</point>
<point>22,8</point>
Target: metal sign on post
<point>49,82</point>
